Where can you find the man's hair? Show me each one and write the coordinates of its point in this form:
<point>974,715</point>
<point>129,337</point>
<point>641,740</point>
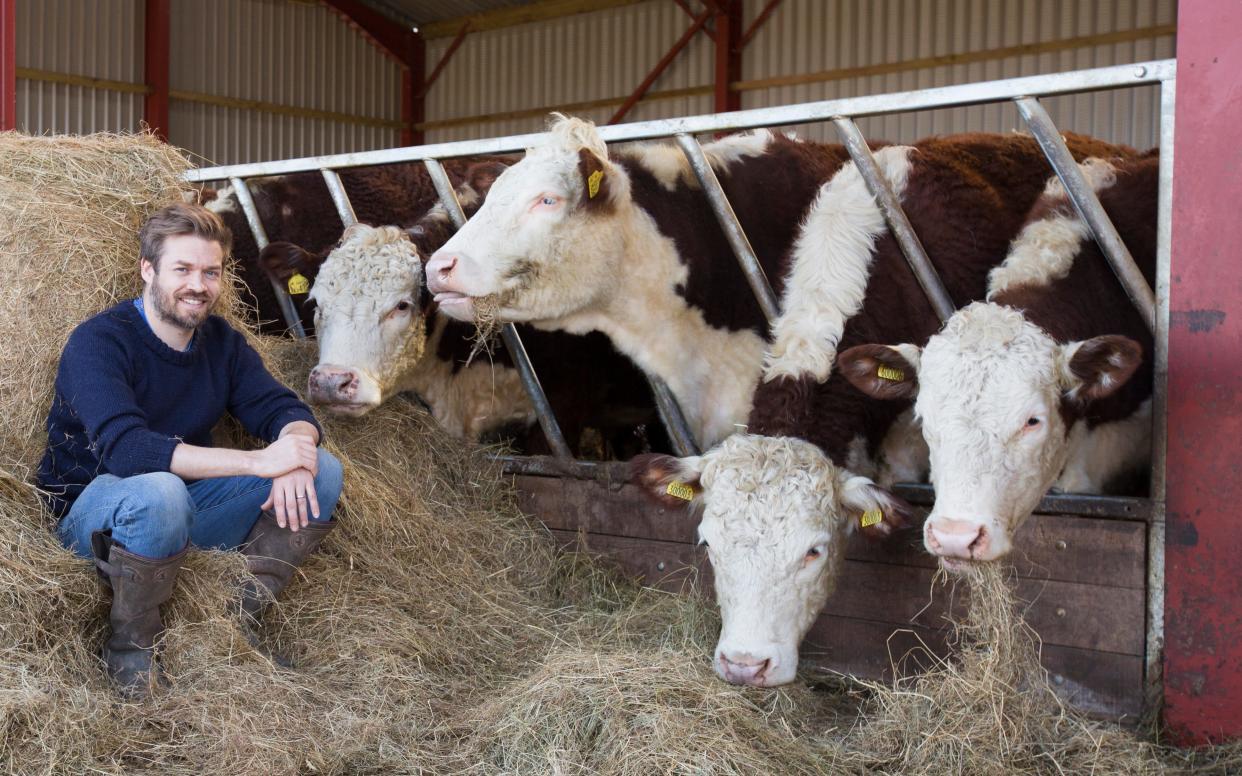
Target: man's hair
<point>177,220</point>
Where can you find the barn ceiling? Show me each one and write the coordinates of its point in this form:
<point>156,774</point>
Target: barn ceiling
<point>418,12</point>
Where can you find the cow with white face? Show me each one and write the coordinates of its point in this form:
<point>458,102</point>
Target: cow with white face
<point>1036,387</point>
<point>775,517</point>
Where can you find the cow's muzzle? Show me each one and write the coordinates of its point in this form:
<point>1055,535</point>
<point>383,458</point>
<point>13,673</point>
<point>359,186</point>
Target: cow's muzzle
<point>744,669</point>
<point>958,540</point>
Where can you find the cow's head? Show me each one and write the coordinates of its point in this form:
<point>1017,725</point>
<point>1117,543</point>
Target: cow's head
<point>368,320</point>
<point>545,243</point>
<point>997,398</point>
<point>776,513</point>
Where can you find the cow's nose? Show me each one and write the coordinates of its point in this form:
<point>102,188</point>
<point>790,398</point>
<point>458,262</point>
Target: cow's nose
<point>327,384</point>
<point>957,538</point>
<point>440,269</point>
<point>744,669</point>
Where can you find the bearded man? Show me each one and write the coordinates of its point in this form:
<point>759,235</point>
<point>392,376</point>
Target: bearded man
<point>129,469</point>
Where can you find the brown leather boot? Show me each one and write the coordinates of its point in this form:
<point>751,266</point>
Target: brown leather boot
<point>272,555</point>
<point>139,586</point>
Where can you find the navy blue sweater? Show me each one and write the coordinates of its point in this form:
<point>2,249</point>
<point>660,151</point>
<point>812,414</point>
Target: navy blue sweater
<point>124,399</point>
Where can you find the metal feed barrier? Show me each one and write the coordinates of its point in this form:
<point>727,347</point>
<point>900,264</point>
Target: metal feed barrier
<point>1023,92</point>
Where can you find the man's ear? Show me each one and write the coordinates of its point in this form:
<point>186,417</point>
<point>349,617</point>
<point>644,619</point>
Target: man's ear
<point>870,509</point>
<point>668,481</point>
<point>147,269</point>
<point>882,371</point>
<point>1097,367</point>
<point>596,183</point>
<point>283,260</point>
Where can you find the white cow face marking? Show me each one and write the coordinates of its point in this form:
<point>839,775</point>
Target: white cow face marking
<point>368,322</point>
<point>997,397</point>
<point>775,517</point>
<point>542,245</point>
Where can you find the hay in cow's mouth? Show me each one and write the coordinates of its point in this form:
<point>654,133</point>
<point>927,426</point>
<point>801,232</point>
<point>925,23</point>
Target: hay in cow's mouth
<point>487,325</point>
<point>438,631</point>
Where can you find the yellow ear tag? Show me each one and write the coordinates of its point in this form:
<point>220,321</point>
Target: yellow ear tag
<point>593,183</point>
<point>890,373</point>
<point>298,284</point>
<point>870,518</point>
<point>680,490</point>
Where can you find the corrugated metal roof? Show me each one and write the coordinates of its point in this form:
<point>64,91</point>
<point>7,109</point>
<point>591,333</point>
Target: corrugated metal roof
<point>416,12</point>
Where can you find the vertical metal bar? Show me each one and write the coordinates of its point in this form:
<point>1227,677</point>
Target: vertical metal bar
<point>746,257</point>
<point>1088,206</point>
<point>898,224</point>
<point>513,342</point>
<point>1153,674</point>
<point>339,198</point>
<point>242,192</point>
<point>674,420</point>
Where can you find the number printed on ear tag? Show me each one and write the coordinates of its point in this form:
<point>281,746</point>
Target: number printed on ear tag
<point>680,490</point>
<point>298,284</point>
<point>870,518</point>
<point>593,183</point>
<point>890,373</point>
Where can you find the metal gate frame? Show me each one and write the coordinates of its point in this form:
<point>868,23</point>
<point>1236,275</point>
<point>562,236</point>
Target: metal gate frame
<point>1023,92</point>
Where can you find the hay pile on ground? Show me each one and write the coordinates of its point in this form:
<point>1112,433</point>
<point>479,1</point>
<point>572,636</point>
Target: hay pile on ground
<point>438,631</point>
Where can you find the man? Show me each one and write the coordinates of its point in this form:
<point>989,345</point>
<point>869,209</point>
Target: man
<point>130,470</point>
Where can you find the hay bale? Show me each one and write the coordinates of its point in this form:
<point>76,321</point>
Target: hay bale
<point>438,631</point>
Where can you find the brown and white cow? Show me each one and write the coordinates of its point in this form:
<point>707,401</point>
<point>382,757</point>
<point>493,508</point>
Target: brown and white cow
<point>1048,383</point>
<point>577,240</point>
<point>574,239</point>
<point>378,337</point>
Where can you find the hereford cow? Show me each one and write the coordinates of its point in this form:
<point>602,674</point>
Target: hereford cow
<point>1047,384</point>
<point>573,239</point>
<point>297,208</point>
<point>372,319</point>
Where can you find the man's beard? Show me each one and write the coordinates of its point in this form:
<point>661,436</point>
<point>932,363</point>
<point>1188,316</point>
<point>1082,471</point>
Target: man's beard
<point>166,309</point>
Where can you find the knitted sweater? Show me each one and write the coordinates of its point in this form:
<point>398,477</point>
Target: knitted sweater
<point>124,400</point>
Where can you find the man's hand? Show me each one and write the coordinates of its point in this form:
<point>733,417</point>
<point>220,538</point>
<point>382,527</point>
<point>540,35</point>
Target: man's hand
<point>293,451</point>
<point>293,499</point>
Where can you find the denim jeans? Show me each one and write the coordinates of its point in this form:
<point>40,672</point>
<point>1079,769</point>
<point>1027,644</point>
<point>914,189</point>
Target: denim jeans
<point>155,514</point>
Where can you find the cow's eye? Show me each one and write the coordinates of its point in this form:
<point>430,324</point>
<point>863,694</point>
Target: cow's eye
<point>549,201</point>
<point>402,306</point>
<point>1032,422</point>
<point>814,553</point>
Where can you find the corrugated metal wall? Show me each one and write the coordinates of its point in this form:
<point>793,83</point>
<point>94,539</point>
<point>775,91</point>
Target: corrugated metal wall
<point>573,59</point>
<point>606,54</point>
<point>275,51</point>
<point>99,39</point>
<point>286,53</point>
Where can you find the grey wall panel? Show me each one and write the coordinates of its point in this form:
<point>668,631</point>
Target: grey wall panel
<point>573,59</point>
<point>93,38</point>
<point>812,36</point>
<point>275,51</point>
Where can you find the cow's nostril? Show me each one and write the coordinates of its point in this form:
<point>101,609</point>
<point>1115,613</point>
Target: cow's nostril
<point>979,541</point>
<point>448,268</point>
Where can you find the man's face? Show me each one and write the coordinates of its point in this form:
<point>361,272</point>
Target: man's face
<point>184,290</point>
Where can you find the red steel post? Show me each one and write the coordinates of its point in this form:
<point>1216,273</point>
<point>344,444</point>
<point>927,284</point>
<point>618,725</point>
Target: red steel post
<point>414,92</point>
<point>1203,593</point>
<point>158,29</point>
<point>728,55</point>
<point>8,64</point>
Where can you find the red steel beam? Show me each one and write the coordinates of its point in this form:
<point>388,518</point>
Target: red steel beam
<point>685,6</point>
<point>444,60</point>
<point>1203,627</point>
<point>660,67</point>
<point>8,64</point>
<point>401,44</point>
<point>155,65</point>
<point>728,55</point>
<point>757,23</point>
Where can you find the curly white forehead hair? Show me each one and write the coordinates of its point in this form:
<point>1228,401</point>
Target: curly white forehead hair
<point>383,255</point>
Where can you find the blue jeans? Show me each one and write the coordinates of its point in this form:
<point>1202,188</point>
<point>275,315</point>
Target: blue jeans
<point>155,514</point>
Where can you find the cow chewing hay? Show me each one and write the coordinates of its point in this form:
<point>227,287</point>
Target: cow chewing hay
<point>438,631</point>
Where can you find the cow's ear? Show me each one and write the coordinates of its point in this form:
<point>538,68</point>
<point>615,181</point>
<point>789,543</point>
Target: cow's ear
<point>882,371</point>
<point>596,183</point>
<point>1097,367</point>
<point>670,482</point>
<point>482,175</point>
<point>870,509</point>
<point>282,261</point>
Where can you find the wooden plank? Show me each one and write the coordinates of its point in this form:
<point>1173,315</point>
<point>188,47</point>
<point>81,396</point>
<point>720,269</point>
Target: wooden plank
<point>1063,548</point>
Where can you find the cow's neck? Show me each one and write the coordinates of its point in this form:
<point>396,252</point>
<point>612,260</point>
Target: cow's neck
<point>711,371</point>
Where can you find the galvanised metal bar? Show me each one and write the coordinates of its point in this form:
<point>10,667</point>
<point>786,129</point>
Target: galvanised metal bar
<point>242,192</point>
<point>875,105</point>
<point>513,342</point>
<point>674,419</point>
<point>1107,507</point>
<point>340,198</point>
<point>1153,673</point>
<point>1088,206</point>
<point>898,224</point>
<point>742,249</point>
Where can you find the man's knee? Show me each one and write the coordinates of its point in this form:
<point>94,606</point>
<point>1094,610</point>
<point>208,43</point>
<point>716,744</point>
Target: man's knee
<point>159,506</point>
<point>328,482</point>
